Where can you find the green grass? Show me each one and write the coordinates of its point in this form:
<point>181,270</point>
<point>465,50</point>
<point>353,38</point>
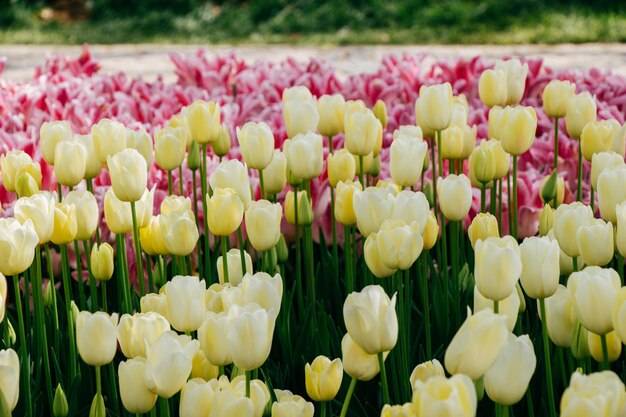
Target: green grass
<point>327,22</point>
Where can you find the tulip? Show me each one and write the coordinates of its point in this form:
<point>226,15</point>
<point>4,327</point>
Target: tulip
<point>546,220</point>
<point>93,166</point>
<point>568,218</point>
<point>141,141</point>
<point>433,108</point>
<point>179,121</point>
<point>518,129</point>
<point>39,208</point>
<point>3,296</point>
<point>593,291</point>
<point>344,197</point>
<point>477,344</point>
<point>73,158</point>
<point>299,111</point>
<point>443,397</point>
<point>374,259</point>
<point>173,203</point>
<point>362,129</point>
<point>212,338</point>
<point>455,196</point>
<point>506,381</point>
<point>492,87</point>
<point>246,324</point>
<point>602,160</point>
<point>17,245</point>
<point>224,211</point>
<point>233,174</point>
<point>341,167</point>
<point>304,155</point>
<point>102,262</point>
<point>96,337</point>
<point>620,234</point>
<point>136,332</point>
<point>581,109</point>
<point>502,159</point>
<point>540,266</point>
<point>614,346</point>
<point>202,368</point>
<point>483,226</point>
<point>65,225</point>
<point>117,213</point>
<point>595,137</point>
<point>230,403</point>
<point>561,317</point>
<point>60,407</point>
<point>452,142</point>
<point>597,394</point>
<point>431,232</point>
<point>619,314</point>
<point>595,242</point>
<point>262,289</point>
<point>482,163</point>
<point>372,207</point>
<point>356,362</point>
<point>405,410</point>
<point>196,398</point>
<point>180,232</point>
<point>618,142</point>
<point>128,171</point>
<point>154,302</point>
<point>10,377</point>
<point>408,132</point>
<point>407,160</point>
<point>305,211</point>
<point>221,146</point>
<point>263,224</point>
<point>289,405</point>
<point>235,274</point>
<point>552,188</point>
<point>109,138</point>
<point>169,147</point>
<point>87,213</point>
<point>426,370</point>
<point>508,307</point>
<point>275,174</point>
<point>256,142</point>
<point>323,378</point>
<point>203,119</point>
<point>515,79</point>
<point>50,134</point>
<point>399,244</point>
<point>495,122</point>
<point>611,191</point>
<point>371,320</point>
<point>411,207</point>
<point>13,164</point>
<point>168,363</point>
<point>330,109</point>
<point>185,302</point>
<point>556,97</point>
<point>136,398</point>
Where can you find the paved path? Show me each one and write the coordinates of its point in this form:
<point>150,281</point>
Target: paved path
<point>148,60</point>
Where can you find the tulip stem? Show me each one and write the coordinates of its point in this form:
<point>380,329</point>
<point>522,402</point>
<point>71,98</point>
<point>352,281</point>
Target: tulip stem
<point>605,353</point>
<point>137,242</point>
<point>483,196</point>
<point>242,251</point>
<point>423,283</point>
<point>79,275</point>
<point>347,257</point>
<point>556,143</point>
<point>207,248</point>
<point>248,373</point>
<point>346,401</point>
<point>579,189</point>
<point>383,377</point>
<point>165,407</point>
<point>121,241</point>
<point>592,197</point>
<point>57,335</point>
<point>546,354</point>
<point>298,266</point>
<point>492,193</point>
<point>333,225</point>
<point>68,310</point>
<point>509,207</point>
<point>496,307</point>
<point>103,284</point>
<point>514,212</point>
<point>434,177</point>
<point>169,183</point>
<point>92,281</point>
<point>180,180</point>
<point>40,322</point>
<point>454,252</point>
<point>500,205</point>
<point>90,189</point>
<point>261,184</point>
<point>225,259</point>
<point>194,186</point>
<point>60,192</point>
<point>575,263</point>
<point>323,405</point>
<point>98,381</point>
<point>24,362</point>
<point>620,266</point>
<point>502,410</point>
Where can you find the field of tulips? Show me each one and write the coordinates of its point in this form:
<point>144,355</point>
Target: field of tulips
<point>262,239</point>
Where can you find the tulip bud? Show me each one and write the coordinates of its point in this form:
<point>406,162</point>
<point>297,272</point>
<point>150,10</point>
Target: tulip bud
<point>433,108</point>
<point>169,147</point>
<point>15,164</point>
<point>73,162</point>
<point>304,155</point>
<point>282,251</point>
<point>361,130</point>
<point>515,77</point>
<point>492,87</point>
<point>136,398</point>
<point>50,134</point>
<point>581,109</point>
<point>256,142</point>
<point>323,378</point>
<point>455,196</point>
<point>380,111</point>
<point>60,408</point>
<point>619,137</point>
<point>330,109</point>
<point>96,337</point>
<point>299,111</point>
<point>305,211</point>
<point>556,97</point>
<point>193,157</point>
<point>129,174</point>
<point>426,370</point>
<point>614,346</point>
<point>552,189</point>
<point>65,225</point>
<point>595,137</point>
<point>221,146</point>
<point>48,300</point>
<point>292,179</point>
<point>452,142</point>
<point>580,345</point>
<point>503,159</point>
<point>275,174</point>
<point>546,216</point>
<point>262,220</point>
<point>26,185</point>
<point>97,407</point>
<point>341,167</point>
<point>484,225</point>
<point>224,211</point>
<point>540,266</point>
<point>204,121</point>
<point>483,163</point>
<point>518,129</point>
<point>109,138</point>
<point>406,161</point>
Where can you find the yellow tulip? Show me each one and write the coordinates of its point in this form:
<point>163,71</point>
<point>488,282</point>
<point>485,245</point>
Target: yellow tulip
<point>330,109</point>
<point>102,261</point>
<point>482,163</point>
<point>50,134</point>
<point>373,258</point>
<point>136,332</point>
<point>65,225</point>
<point>305,211</point>
<point>39,208</point>
<point>515,78</point>
<point>169,147</point>
<point>611,191</point>
<point>540,266</point>
<point>407,161</point>
<point>275,174</point>
<point>597,394</point>
<point>141,141</point>
<point>87,213</point>
<point>17,245</point>
<point>341,167</point>
<point>186,304</point>
<point>10,377</point>
<point>289,405</point>
<point>13,164</point>
<point>614,346</point>
<point>263,224</point>
<point>204,121</point>
<point>426,370</point>
<point>431,231</point>
<point>556,97</point>
<point>596,242</point>
<point>179,231</point>
<point>561,317</point>
<point>304,155</point>
<point>372,207</point>
<point>568,218</point>
<point>484,225</point>
<point>344,208</point>
<point>361,130</point>
<point>618,144</point>
<point>233,174</point>
<point>356,362</point>
<point>508,307</point>
<point>256,142</point>
<point>247,324</point>
<point>235,275</point>
<point>581,109</point>
<point>492,87</point>
<point>503,159</point>
<point>602,160</point>
<point>224,211</point>
<point>399,244</point>
<point>518,129</point>
<point>455,196</point>
<point>595,137</point>
<point>442,397</point>
<point>323,378</point>
<point>109,138</point>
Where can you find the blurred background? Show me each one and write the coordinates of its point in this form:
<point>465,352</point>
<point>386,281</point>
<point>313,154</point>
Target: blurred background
<point>314,22</point>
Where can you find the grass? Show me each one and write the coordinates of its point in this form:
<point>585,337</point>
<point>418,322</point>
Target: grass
<point>330,23</point>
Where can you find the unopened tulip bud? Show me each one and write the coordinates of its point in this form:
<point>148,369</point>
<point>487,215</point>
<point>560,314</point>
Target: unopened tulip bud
<point>361,130</point>
<point>380,111</point>
<point>282,251</point>
<point>48,300</point>
<point>341,167</point>
<point>60,408</point>
<point>26,185</point>
<point>452,142</point>
<point>484,225</point>
<point>129,174</point>
<point>549,188</point>
<point>330,109</point>
<point>169,147</point>
<point>455,196</point>
<point>256,142</point>
<point>374,169</point>
<point>224,211</point>
<point>305,211</point>
<point>614,346</point>
<point>102,262</point>
<point>344,207</point>
<point>5,409</point>
<point>65,225</point>
<point>518,129</point>
<point>193,156</point>
<point>97,407</point>
<point>71,163</point>
<point>433,108</point>
<point>204,121</point>
<point>293,180</point>
<point>275,174</point>
<point>492,87</point>
<point>516,79</point>
<point>482,163</point>
<point>546,217</point>
<point>221,146</point>
<point>556,97</point>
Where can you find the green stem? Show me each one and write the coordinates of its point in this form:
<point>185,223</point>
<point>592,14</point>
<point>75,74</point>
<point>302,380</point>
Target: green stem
<point>620,266</point>
<point>150,273</point>
<point>493,193</point>
<point>180,180</point>
<point>68,310</point>
<point>57,330</point>
<point>165,407</point>
<point>137,243</point>
<point>225,259</point>
<point>579,189</point>
<point>383,377</point>
<point>98,381</point>
<point>90,189</point>
<point>103,284</point>
<point>124,269</point>
<point>79,273</point>
<point>41,323</point>
<point>24,361</point>
<point>556,143</point>
<point>575,263</point>
<point>500,206</point>
<point>242,251</point>
<point>60,192</point>
<point>92,281</point>
<point>361,171</point>
<point>426,303</point>
<point>248,384</point>
<point>347,257</point>
<point>592,199</point>
<point>546,353</point>
<point>207,249</point>
<point>323,405</point>
<point>195,214</point>
<point>496,306</point>
<point>515,196</point>
<point>330,144</point>
<point>346,401</point>
<point>509,205</point>
<point>454,251</point>
<point>605,353</point>
<point>298,262</point>
<point>261,184</point>
<point>433,164</point>
<point>483,193</point>
<point>169,183</point>
<point>333,224</point>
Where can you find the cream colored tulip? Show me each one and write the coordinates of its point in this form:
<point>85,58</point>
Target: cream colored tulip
<point>263,224</point>
<point>611,191</point>
<point>495,122</point>
<point>10,377</point>
<point>87,213</point>
<point>256,142</point>
<point>224,211</point>
<point>196,398</point>
<point>15,163</point>
<point>221,146</point>
<point>426,370</point>
<point>502,159</point>
<point>181,121</point>
<point>618,144</point>
<point>399,244</point>
<point>372,207</point>
<point>581,109</point>
<point>259,394</point>
<point>180,232</point>
<point>96,337</point>
<point>452,397</point>
<point>109,138</point>
<point>3,296</point>
<point>452,143</point>
<point>469,141</point>
<point>561,317</point>
<point>136,332</point>
<point>593,291</point>
<point>154,302</point>
<point>300,111</point>
<point>185,302</point>
<point>374,259</point>
<point>275,174</point>
<point>596,242</point>
<point>202,368</point>
<point>518,129</point>
<point>404,410</point>
<point>515,78</point>
<point>620,233</point>
<point>506,381</point>
<point>235,275</point>
<point>204,119</point>
<point>508,307</point>
<point>129,174</point>
<point>477,344</point>
<point>169,147</point>
<point>173,203</point>
<point>482,163</point>
<point>358,363</point>
<point>17,245</point>
<point>362,129</point>
<point>568,218</point>
<point>212,338</point>
<point>262,289</point>
<point>540,266</point>
<point>433,108</point>
<point>50,134</point>
<point>233,174</point>
<point>407,161</point>
<point>304,155</point>
<point>93,166</point>
<point>247,324</point>
<point>455,196</point>
<point>619,314</point>
<point>117,213</point>
<point>408,132</point>
<point>371,319</point>
<point>136,398</point>
<point>431,232</point>
<point>411,207</point>
<point>556,97</point>
<point>483,226</point>
<point>65,225</point>
<point>229,403</point>
<point>305,210</point>
<point>614,346</point>
<point>597,394</point>
<point>492,87</point>
<point>141,141</point>
<point>330,109</point>
<point>344,207</point>
<point>152,238</point>
<point>289,405</point>
<point>323,378</point>
<point>595,137</point>
<point>71,163</point>
<point>602,160</point>
<point>341,167</point>
<point>39,208</point>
